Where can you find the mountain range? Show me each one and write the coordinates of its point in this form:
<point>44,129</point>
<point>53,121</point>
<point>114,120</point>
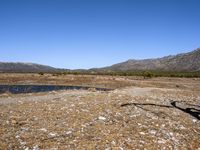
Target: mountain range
<point>25,67</point>
<point>185,62</point>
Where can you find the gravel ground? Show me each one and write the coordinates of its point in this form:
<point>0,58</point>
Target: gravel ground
<point>127,118</point>
<point>160,113</point>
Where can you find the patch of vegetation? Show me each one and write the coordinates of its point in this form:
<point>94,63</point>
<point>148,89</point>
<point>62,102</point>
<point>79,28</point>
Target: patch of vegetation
<point>145,74</point>
<point>148,74</point>
<point>41,73</point>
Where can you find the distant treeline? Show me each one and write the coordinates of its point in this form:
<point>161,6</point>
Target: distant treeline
<point>145,74</point>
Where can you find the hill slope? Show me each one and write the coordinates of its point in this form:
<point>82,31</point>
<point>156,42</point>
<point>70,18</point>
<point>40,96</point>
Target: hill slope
<point>24,67</point>
<point>181,62</point>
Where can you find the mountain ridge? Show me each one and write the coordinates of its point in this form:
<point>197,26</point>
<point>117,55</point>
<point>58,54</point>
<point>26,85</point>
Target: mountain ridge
<point>25,67</point>
<point>188,62</point>
<point>184,62</point>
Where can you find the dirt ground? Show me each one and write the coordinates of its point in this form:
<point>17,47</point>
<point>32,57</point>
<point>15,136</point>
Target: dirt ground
<point>143,114</point>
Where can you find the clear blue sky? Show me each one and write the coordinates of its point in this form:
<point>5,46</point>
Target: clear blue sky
<point>95,33</point>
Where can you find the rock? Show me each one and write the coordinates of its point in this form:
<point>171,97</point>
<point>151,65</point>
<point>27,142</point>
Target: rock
<point>113,143</point>
<point>152,132</point>
<point>102,118</point>
<point>14,122</point>
<point>43,129</point>
<point>52,135</point>
<point>142,133</point>
<point>161,141</point>
<point>68,132</point>
<point>194,120</point>
<point>36,147</point>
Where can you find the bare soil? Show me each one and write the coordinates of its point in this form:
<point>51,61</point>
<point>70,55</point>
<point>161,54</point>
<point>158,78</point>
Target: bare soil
<point>157,113</point>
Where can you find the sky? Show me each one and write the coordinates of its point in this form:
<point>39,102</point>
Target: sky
<point>85,34</point>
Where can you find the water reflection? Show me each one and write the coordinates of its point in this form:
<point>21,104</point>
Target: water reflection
<point>17,89</point>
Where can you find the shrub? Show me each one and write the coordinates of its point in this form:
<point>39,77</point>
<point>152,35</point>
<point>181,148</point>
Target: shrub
<point>147,74</point>
<point>41,73</point>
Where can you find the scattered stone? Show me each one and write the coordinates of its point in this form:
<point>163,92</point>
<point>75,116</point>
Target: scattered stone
<point>52,135</point>
<point>14,122</point>
<point>194,120</point>
<point>43,129</point>
<point>152,132</point>
<point>142,133</point>
<point>102,118</point>
<point>68,132</point>
<point>36,147</point>
<point>86,120</point>
<point>161,141</point>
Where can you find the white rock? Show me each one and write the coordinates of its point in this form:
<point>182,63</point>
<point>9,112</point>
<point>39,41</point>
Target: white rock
<point>152,132</point>
<point>17,136</point>
<point>142,133</point>
<point>171,134</point>
<point>161,141</point>
<point>194,120</point>
<point>121,148</point>
<point>143,142</point>
<point>102,118</point>
<point>43,129</point>
<point>52,135</point>
<point>113,143</point>
<point>36,147</point>
<point>68,132</point>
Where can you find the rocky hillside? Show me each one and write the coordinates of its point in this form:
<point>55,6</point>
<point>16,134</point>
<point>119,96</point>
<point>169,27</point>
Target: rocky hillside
<point>181,62</point>
<point>24,67</point>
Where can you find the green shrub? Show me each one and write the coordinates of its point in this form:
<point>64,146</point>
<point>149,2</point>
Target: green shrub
<point>147,74</point>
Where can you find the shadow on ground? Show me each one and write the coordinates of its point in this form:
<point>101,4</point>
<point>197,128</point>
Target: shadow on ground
<point>193,110</point>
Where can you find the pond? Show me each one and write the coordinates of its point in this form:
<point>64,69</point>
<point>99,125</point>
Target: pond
<point>17,89</point>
